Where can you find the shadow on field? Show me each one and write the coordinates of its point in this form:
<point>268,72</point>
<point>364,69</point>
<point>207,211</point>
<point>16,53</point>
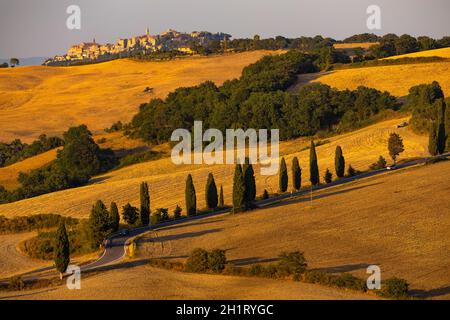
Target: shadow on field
<point>343,268</point>
<point>180,236</point>
<point>305,197</point>
<point>252,260</point>
<point>118,266</point>
<point>430,293</point>
<point>23,295</point>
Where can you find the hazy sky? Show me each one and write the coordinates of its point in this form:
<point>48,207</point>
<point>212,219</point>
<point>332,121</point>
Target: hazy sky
<point>38,27</point>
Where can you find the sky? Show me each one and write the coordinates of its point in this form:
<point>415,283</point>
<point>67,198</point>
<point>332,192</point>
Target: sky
<point>30,28</point>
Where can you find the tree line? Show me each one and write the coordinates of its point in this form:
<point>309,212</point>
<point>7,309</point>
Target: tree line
<point>258,100</point>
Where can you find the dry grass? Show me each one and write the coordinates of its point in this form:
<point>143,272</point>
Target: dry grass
<point>9,174</point>
<point>35,100</point>
<point>146,283</point>
<point>398,221</point>
<point>363,45</point>
<point>443,53</point>
<point>167,180</point>
<point>395,79</point>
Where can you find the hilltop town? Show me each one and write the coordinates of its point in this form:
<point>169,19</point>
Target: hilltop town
<point>168,41</point>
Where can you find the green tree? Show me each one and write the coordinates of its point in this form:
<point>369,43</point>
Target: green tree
<point>328,177</point>
<point>433,140</point>
<point>313,167</point>
<point>283,176</point>
<point>99,223</point>
<point>145,204</point>
<point>250,183</point>
<point>395,146</point>
<point>114,217</point>
<point>221,199</point>
<point>129,214</point>
<point>238,189</point>
<point>190,197</point>
<point>296,174</point>
<point>211,192</point>
<point>62,250</point>
<point>441,131</point>
<point>339,162</point>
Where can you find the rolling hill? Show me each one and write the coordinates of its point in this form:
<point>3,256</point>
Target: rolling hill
<point>167,180</point>
<point>398,221</point>
<point>36,100</point>
<point>396,79</point>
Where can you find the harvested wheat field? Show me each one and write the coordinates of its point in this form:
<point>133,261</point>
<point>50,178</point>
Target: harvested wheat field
<point>363,45</point>
<point>398,221</point>
<point>9,174</point>
<point>397,80</point>
<point>142,282</point>
<point>36,100</point>
<point>167,180</point>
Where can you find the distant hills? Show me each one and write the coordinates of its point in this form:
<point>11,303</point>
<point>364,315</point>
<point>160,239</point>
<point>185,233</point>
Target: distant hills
<point>32,61</point>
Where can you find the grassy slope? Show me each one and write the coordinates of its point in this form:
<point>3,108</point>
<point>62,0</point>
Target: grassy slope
<point>395,79</point>
<point>35,100</point>
<point>167,180</point>
<point>144,282</point>
<point>399,221</point>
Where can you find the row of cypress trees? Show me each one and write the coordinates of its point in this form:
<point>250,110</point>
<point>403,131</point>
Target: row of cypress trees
<point>438,136</point>
<point>214,199</point>
<point>339,161</point>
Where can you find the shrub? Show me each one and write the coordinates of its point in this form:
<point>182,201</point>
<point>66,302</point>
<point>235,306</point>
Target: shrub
<point>265,195</point>
<point>395,288</point>
<point>217,260</point>
<point>16,283</point>
<point>197,261</point>
<point>380,164</point>
<point>161,214</point>
<point>349,281</point>
<point>292,263</point>
<point>328,177</point>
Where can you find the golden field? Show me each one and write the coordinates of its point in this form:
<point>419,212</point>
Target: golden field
<point>167,180</point>
<point>123,281</point>
<point>398,221</point>
<point>397,80</point>
<point>36,100</point>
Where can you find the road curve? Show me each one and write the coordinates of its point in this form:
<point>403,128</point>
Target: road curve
<point>115,249</point>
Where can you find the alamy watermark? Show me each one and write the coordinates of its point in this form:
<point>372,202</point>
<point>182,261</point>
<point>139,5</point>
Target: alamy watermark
<point>190,149</point>
<point>73,22</point>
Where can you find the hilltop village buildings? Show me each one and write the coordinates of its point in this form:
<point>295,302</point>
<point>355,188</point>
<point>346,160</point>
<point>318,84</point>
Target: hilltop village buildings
<point>171,40</point>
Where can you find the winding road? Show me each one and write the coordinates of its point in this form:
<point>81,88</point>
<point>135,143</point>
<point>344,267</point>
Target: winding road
<point>115,249</point>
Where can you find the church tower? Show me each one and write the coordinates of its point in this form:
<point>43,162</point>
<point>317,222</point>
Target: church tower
<point>147,32</point>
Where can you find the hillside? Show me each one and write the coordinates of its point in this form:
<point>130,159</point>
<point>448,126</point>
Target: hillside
<point>36,100</point>
<point>146,283</point>
<point>396,220</point>
<point>443,53</point>
<point>9,174</point>
<point>396,79</point>
<point>167,180</point>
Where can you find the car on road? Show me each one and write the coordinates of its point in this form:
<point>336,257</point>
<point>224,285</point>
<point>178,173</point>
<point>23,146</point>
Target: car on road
<point>391,168</point>
<point>124,232</point>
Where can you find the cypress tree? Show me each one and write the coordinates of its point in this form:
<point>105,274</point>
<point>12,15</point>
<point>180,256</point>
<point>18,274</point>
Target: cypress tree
<point>250,184</point>
<point>296,174</point>
<point>238,189</point>
<point>114,217</point>
<point>283,176</point>
<point>433,140</point>
<point>221,200</point>
<point>211,192</point>
<point>190,197</point>
<point>339,162</point>
<point>328,177</point>
<point>99,224</point>
<point>62,250</point>
<point>145,204</point>
<point>313,167</point>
